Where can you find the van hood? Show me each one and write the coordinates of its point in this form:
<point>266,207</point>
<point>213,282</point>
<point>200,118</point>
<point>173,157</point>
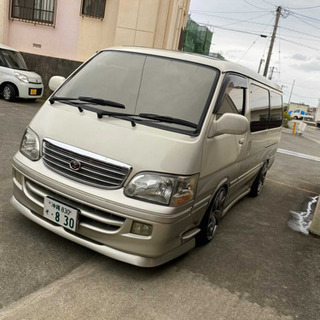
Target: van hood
<point>142,147</point>
<point>32,76</point>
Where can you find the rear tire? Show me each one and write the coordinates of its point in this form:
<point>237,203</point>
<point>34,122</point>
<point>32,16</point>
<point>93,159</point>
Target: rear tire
<point>9,92</point>
<point>258,183</point>
<point>210,220</point>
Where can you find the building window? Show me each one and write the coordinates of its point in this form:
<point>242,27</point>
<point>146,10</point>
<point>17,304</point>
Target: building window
<point>38,11</point>
<point>93,8</point>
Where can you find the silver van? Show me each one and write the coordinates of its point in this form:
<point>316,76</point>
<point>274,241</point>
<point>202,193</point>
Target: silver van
<point>141,152</point>
<point>16,81</point>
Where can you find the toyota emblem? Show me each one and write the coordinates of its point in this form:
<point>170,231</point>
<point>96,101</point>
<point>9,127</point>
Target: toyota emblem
<point>75,165</point>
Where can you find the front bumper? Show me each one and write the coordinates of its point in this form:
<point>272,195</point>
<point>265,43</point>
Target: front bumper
<point>30,90</point>
<point>104,226</point>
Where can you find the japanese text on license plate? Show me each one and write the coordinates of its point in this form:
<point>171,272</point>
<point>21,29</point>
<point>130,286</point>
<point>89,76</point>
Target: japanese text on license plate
<point>61,214</point>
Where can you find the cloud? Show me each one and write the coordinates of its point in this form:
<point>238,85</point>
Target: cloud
<point>313,66</point>
<point>300,57</point>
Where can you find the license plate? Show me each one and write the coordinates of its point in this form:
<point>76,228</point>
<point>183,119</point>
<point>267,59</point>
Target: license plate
<point>33,92</point>
<point>61,214</point>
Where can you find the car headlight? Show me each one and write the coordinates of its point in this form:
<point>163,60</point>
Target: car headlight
<point>22,77</point>
<point>30,146</point>
<point>162,189</point>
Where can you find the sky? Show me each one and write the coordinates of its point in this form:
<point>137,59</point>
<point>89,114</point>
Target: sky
<point>237,28</point>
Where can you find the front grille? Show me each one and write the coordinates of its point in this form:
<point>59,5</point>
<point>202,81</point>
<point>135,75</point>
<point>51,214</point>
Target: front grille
<point>89,217</point>
<point>89,168</point>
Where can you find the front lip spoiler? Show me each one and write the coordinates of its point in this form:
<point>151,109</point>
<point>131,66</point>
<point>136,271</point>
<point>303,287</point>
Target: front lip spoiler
<point>103,249</point>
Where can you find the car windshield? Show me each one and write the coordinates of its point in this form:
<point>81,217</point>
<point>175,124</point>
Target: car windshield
<point>146,85</point>
<point>14,59</point>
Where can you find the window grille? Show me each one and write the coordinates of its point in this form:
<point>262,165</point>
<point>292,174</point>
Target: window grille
<point>38,11</point>
<point>93,8</point>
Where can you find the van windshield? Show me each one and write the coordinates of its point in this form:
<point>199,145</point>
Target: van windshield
<point>146,84</point>
<point>13,59</point>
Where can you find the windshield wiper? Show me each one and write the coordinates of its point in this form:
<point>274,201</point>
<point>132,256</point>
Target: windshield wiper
<point>100,113</point>
<point>103,102</point>
<point>98,101</point>
<point>124,116</point>
<point>167,119</point>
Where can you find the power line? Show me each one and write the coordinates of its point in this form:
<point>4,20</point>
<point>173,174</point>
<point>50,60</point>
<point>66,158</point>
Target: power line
<point>254,42</point>
<point>299,44</point>
<point>247,20</point>
<point>300,86</point>
<point>261,35</point>
<point>231,12</point>
<point>304,8</point>
<point>236,30</point>
<point>306,34</point>
<point>303,97</point>
<point>304,16</point>
<point>237,20</point>
<point>306,22</point>
<point>263,24</point>
<point>252,5</point>
<point>269,3</point>
<point>289,36</point>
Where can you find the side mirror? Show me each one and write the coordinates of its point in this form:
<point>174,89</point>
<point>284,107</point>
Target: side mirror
<point>55,82</point>
<point>229,123</point>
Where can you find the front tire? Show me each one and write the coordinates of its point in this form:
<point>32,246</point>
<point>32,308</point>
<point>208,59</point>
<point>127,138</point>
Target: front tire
<point>258,183</point>
<point>210,220</point>
<point>9,92</point>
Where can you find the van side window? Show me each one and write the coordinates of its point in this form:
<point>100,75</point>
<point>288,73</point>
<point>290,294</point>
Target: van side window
<point>259,108</point>
<point>276,112</point>
<point>2,61</point>
<point>233,99</point>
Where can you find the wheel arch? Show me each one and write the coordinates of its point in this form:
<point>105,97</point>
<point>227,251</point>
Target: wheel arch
<point>224,183</point>
<point>3,84</point>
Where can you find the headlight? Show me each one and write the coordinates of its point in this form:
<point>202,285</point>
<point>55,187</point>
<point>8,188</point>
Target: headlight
<point>21,77</point>
<point>163,189</point>
<point>30,145</point>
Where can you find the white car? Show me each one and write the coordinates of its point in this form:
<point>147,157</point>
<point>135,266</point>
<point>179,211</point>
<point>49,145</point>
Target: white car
<point>301,115</point>
<point>15,78</point>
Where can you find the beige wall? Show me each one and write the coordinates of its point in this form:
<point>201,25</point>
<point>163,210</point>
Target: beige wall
<point>4,21</point>
<point>96,34</point>
<point>145,23</point>
<point>294,106</point>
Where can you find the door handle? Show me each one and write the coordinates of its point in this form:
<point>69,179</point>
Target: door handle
<point>241,141</point>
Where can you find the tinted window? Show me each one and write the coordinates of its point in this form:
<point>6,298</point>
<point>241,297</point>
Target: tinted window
<point>2,62</point>
<point>276,112</point>
<point>146,84</point>
<point>233,98</point>
<point>14,59</point>
<point>259,108</point>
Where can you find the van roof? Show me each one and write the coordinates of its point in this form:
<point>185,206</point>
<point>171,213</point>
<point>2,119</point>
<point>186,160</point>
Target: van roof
<point>223,65</point>
<point>3,46</point>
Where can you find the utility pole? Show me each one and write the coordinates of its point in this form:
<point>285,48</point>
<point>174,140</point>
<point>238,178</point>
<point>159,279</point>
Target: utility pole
<point>272,41</point>
<point>291,91</point>
<point>260,64</point>
<point>271,73</point>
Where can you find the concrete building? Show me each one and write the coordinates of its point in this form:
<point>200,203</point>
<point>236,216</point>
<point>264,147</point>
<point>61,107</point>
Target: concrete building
<point>298,106</point>
<point>76,29</point>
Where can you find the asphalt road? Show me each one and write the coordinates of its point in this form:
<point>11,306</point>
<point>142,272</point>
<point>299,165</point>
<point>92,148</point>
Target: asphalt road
<point>256,267</point>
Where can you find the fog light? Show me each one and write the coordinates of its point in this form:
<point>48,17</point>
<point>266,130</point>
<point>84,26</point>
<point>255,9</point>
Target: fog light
<point>141,228</point>
<point>17,176</point>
